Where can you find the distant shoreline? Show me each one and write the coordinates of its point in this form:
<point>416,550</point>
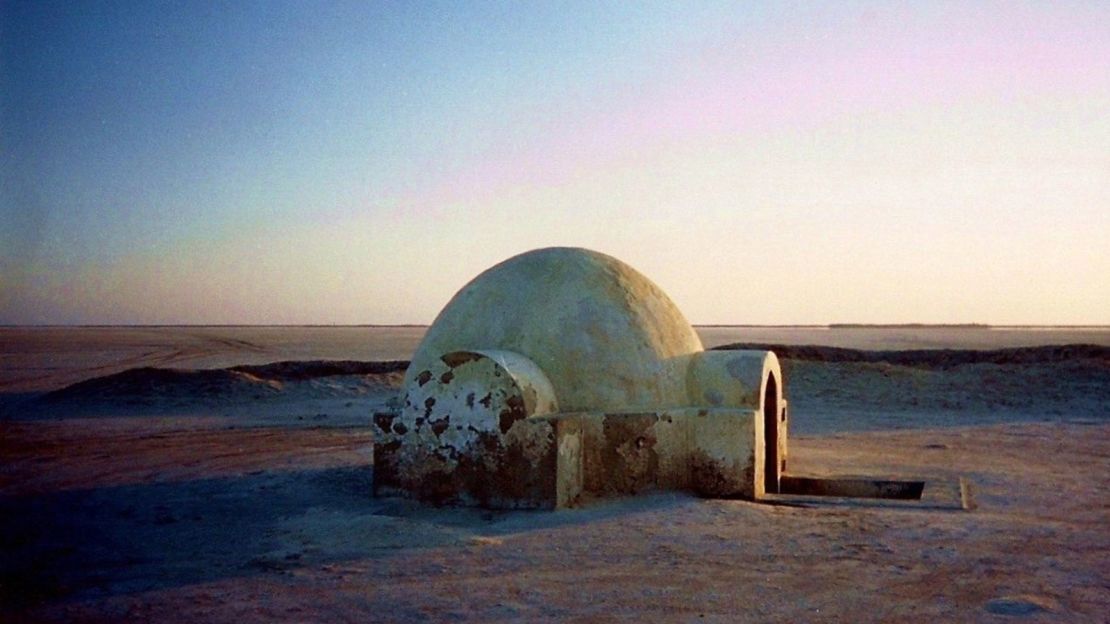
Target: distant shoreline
<point>268,379</point>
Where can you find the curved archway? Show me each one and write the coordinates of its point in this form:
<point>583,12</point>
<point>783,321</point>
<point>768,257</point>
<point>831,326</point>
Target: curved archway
<point>771,435</point>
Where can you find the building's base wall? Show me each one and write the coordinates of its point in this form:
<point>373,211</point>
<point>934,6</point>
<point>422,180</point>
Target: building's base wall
<point>556,460</point>
<point>519,470</point>
<point>711,452</point>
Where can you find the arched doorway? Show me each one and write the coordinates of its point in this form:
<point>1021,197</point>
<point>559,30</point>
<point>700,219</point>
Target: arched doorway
<point>771,435</point>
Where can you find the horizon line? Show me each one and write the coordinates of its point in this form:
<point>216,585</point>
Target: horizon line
<point>695,325</point>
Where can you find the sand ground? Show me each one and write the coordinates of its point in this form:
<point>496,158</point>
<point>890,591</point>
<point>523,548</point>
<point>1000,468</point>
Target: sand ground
<point>197,519</point>
<point>249,502</point>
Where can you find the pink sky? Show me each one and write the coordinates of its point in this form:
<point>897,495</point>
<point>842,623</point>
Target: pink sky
<point>925,162</point>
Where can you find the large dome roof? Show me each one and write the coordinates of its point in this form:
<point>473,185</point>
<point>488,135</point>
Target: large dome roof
<point>605,335</point>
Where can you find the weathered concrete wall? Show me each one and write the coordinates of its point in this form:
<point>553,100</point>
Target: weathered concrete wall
<point>463,434</point>
<point>740,379</point>
<point>556,461</point>
<point>604,334</point>
<point>730,378</point>
<point>711,452</point>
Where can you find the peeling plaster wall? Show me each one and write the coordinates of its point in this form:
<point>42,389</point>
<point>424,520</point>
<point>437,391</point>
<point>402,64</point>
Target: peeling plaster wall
<point>711,452</point>
<point>556,461</point>
<point>463,434</point>
<point>564,374</point>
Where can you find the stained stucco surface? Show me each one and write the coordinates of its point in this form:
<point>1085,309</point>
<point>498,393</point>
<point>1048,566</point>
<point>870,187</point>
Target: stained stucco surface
<point>605,335</point>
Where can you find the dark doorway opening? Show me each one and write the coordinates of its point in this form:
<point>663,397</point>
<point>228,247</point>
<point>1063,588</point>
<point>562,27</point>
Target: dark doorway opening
<point>771,435</point>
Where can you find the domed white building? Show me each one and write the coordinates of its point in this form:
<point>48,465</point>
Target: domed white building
<point>564,373</point>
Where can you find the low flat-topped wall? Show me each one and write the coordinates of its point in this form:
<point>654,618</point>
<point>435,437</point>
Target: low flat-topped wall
<point>557,460</point>
<point>711,452</point>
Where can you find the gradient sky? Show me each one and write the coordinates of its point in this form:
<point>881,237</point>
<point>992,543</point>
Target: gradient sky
<point>304,162</point>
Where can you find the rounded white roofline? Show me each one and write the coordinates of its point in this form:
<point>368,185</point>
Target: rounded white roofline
<point>605,335</point>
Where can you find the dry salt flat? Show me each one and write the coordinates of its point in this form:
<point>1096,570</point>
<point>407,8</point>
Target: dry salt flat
<point>215,494</point>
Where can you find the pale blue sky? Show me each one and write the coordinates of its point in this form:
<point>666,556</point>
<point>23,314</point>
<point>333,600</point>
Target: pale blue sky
<point>270,162</point>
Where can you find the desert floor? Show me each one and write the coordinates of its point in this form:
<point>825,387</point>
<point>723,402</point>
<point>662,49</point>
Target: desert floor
<point>246,498</point>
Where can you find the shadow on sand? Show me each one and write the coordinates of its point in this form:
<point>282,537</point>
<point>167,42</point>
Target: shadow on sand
<point>96,543</point>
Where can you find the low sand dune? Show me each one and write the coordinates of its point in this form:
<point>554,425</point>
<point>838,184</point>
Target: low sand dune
<point>836,389</point>
<point>831,389</point>
<point>225,384</point>
<point>37,359</point>
<point>933,358</point>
